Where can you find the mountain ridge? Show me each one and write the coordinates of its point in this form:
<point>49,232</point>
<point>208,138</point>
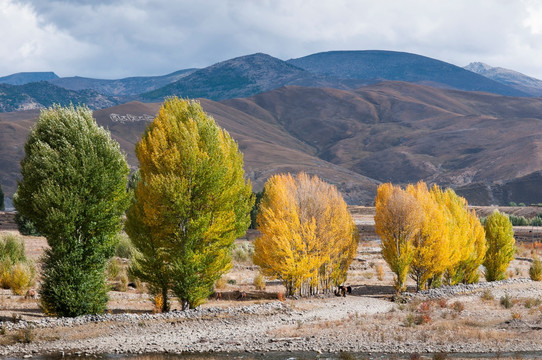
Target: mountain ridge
<point>486,146</point>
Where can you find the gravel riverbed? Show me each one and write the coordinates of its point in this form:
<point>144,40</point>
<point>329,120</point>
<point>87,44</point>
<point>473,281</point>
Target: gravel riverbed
<point>333,324</point>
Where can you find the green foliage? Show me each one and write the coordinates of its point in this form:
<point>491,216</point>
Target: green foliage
<point>2,205</point>
<point>256,209</point>
<point>518,220</point>
<point>16,271</point>
<point>25,226</point>
<point>73,190</point>
<point>512,203</point>
<point>242,253</point>
<point>12,248</point>
<point>190,205</point>
<point>125,249</point>
<point>506,301</point>
<point>535,271</point>
<point>500,246</point>
<point>259,281</point>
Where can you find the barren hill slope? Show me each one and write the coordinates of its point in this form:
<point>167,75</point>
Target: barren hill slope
<point>486,146</point>
<point>401,132</point>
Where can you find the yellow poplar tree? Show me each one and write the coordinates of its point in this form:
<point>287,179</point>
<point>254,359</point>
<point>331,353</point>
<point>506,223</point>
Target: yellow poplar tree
<point>432,246</point>
<point>191,203</point>
<point>466,237</point>
<point>308,238</point>
<point>398,220</point>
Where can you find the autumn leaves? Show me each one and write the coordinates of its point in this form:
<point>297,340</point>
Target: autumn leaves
<point>308,238</point>
<point>431,235</point>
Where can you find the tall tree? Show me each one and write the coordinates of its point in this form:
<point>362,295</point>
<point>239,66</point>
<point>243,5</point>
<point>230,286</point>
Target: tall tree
<point>432,245</point>
<point>500,247</point>
<point>73,189</point>
<point>308,238</point>
<point>466,237</point>
<point>398,220</point>
<point>190,204</point>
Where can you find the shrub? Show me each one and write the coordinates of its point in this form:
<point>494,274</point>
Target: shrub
<point>380,272</point>
<point>5,270</point>
<point>409,320</point>
<point>21,277</point>
<point>220,283</point>
<point>532,302</point>
<point>487,295</point>
<point>16,272</point>
<point>125,249</point>
<point>25,226</point>
<point>518,220</point>
<point>259,282</point>
<point>12,247</point>
<point>458,306</point>
<point>243,253</point>
<point>535,271</point>
<point>506,302</point>
<point>26,335</point>
<point>113,269</point>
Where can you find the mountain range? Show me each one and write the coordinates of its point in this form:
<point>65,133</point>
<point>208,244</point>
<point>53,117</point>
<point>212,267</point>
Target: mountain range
<point>253,74</point>
<point>333,114</point>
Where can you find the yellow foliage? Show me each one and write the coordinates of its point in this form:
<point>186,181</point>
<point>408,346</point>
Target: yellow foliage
<point>397,221</point>
<point>190,205</point>
<point>432,244</point>
<point>428,234</point>
<point>308,238</point>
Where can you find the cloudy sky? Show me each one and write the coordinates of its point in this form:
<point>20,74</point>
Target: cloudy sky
<point>120,38</point>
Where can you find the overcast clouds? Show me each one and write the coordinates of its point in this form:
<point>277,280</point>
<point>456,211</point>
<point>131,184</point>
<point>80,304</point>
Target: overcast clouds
<point>114,39</point>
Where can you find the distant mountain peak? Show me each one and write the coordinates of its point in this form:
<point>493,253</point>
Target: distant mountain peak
<point>28,77</point>
<point>517,80</point>
<point>478,67</point>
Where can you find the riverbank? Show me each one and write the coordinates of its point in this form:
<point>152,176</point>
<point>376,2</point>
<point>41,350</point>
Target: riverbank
<point>465,321</point>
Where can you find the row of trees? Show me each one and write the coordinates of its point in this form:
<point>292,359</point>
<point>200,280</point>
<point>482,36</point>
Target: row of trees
<point>191,201</point>
<point>308,238</point>
<point>431,235</point>
<point>185,207</point>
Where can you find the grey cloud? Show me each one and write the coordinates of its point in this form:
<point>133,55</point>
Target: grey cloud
<point>154,37</point>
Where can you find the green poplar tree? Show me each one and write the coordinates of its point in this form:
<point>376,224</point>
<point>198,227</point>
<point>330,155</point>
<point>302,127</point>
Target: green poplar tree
<point>191,203</point>
<point>73,189</point>
<point>500,246</point>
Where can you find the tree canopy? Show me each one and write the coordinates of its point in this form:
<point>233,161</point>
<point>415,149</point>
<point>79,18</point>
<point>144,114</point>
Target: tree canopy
<point>429,234</point>
<point>308,238</point>
<point>73,189</point>
<point>500,247</point>
<point>190,203</point>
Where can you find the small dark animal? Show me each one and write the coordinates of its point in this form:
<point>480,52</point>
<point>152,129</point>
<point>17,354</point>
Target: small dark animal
<point>343,290</point>
<point>31,293</point>
<point>242,295</point>
<point>218,296</point>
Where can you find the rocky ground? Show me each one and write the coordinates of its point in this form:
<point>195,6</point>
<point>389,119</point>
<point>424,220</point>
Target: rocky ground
<point>500,317</point>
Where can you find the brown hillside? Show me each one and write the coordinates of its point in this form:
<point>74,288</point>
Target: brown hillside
<point>402,132</point>
<point>486,146</point>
